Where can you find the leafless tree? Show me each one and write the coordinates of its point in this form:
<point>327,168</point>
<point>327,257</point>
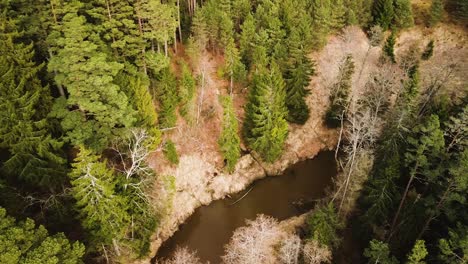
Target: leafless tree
<point>290,249</point>
<point>133,151</point>
<point>254,243</point>
<point>183,255</point>
<point>314,253</point>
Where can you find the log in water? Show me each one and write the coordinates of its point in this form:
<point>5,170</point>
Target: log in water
<point>292,193</point>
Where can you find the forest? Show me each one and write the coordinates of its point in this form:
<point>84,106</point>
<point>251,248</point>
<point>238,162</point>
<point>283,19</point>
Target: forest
<point>93,92</point>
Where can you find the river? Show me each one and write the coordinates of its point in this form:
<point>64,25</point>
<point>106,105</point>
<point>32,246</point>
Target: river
<point>291,194</point>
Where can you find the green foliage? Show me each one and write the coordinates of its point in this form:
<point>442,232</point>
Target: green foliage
<point>323,226</point>
<point>427,54</point>
<point>418,253</point>
<point>339,96</point>
<point>234,68</point>
<point>436,11</point>
<point>170,152</point>
<point>454,249</point>
<point>297,77</point>
<point>229,141</point>
<point>383,12</point>
<point>378,252</point>
<point>389,47</point>
<point>35,155</point>
<point>459,9</point>
<point>265,126</point>
<point>101,212</point>
<point>246,39</point>
<point>187,86</point>
<point>403,14</point>
<point>166,92</point>
<point>96,107</point>
<point>23,243</point>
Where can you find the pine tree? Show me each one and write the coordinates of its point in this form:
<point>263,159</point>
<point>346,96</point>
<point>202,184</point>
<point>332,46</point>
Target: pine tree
<point>23,243</point>
<point>96,108</point>
<point>101,212</point>
<point>383,13</point>
<point>229,141</point>
<point>265,126</point>
<point>35,155</point>
<point>321,21</point>
<point>403,14</point>
<point>158,22</point>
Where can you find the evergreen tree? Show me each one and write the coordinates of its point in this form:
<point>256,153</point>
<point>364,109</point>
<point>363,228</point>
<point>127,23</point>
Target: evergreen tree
<point>101,212</point>
<point>437,8</point>
<point>383,13</point>
<point>96,107</point>
<point>403,14</point>
<point>25,131</point>
<point>265,126</point>
<point>321,21</point>
<point>324,224</point>
<point>427,54</point>
<point>389,47</point>
<point>229,141</point>
<point>418,253</point>
<point>425,148</point>
<point>187,86</point>
<point>339,96</point>
<point>246,39</point>
<point>297,77</point>
<point>166,91</point>
<point>378,252</point>
<point>234,68</point>
<point>23,243</point>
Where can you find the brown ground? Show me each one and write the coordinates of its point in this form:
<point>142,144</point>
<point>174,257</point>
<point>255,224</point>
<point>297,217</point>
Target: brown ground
<point>199,176</point>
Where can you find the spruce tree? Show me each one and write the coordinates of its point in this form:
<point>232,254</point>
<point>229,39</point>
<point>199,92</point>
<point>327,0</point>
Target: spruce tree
<point>383,13</point>
<point>166,92</point>
<point>246,39</point>
<point>265,126</point>
<point>229,141</point>
<point>323,225</point>
<point>187,87</point>
<point>389,47</point>
<point>297,77</point>
<point>101,211</point>
<point>403,14</point>
<point>379,252</point>
<point>21,242</point>
<point>436,10</point>
<point>339,96</point>
<point>234,68</point>
<point>35,155</point>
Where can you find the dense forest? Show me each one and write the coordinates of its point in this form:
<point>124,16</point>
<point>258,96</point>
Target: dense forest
<point>90,90</point>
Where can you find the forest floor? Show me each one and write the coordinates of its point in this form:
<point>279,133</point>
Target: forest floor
<point>199,176</point>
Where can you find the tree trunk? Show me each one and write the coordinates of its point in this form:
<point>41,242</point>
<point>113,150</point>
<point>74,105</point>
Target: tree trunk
<point>178,16</point>
<point>165,48</point>
<point>175,41</point>
<point>439,205</point>
<point>403,198</point>
<point>59,86</point>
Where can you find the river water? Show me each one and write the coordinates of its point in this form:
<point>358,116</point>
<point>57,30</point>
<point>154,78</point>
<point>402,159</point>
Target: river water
<point>292,193</point>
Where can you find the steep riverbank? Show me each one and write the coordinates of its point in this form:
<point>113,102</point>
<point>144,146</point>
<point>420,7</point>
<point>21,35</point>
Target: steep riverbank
<point>199,177</point>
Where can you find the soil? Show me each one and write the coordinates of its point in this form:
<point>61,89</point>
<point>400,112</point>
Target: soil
<point>200,178</point>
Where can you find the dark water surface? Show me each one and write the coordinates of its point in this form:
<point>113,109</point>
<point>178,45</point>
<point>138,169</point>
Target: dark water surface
<point>211,227</point>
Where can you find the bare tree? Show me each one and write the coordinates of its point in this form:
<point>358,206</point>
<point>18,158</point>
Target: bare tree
<point>254,243</point>
<point>290,249</point>
<point>183,255</point>
<point>314,253</point>
<point>133,151</point>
